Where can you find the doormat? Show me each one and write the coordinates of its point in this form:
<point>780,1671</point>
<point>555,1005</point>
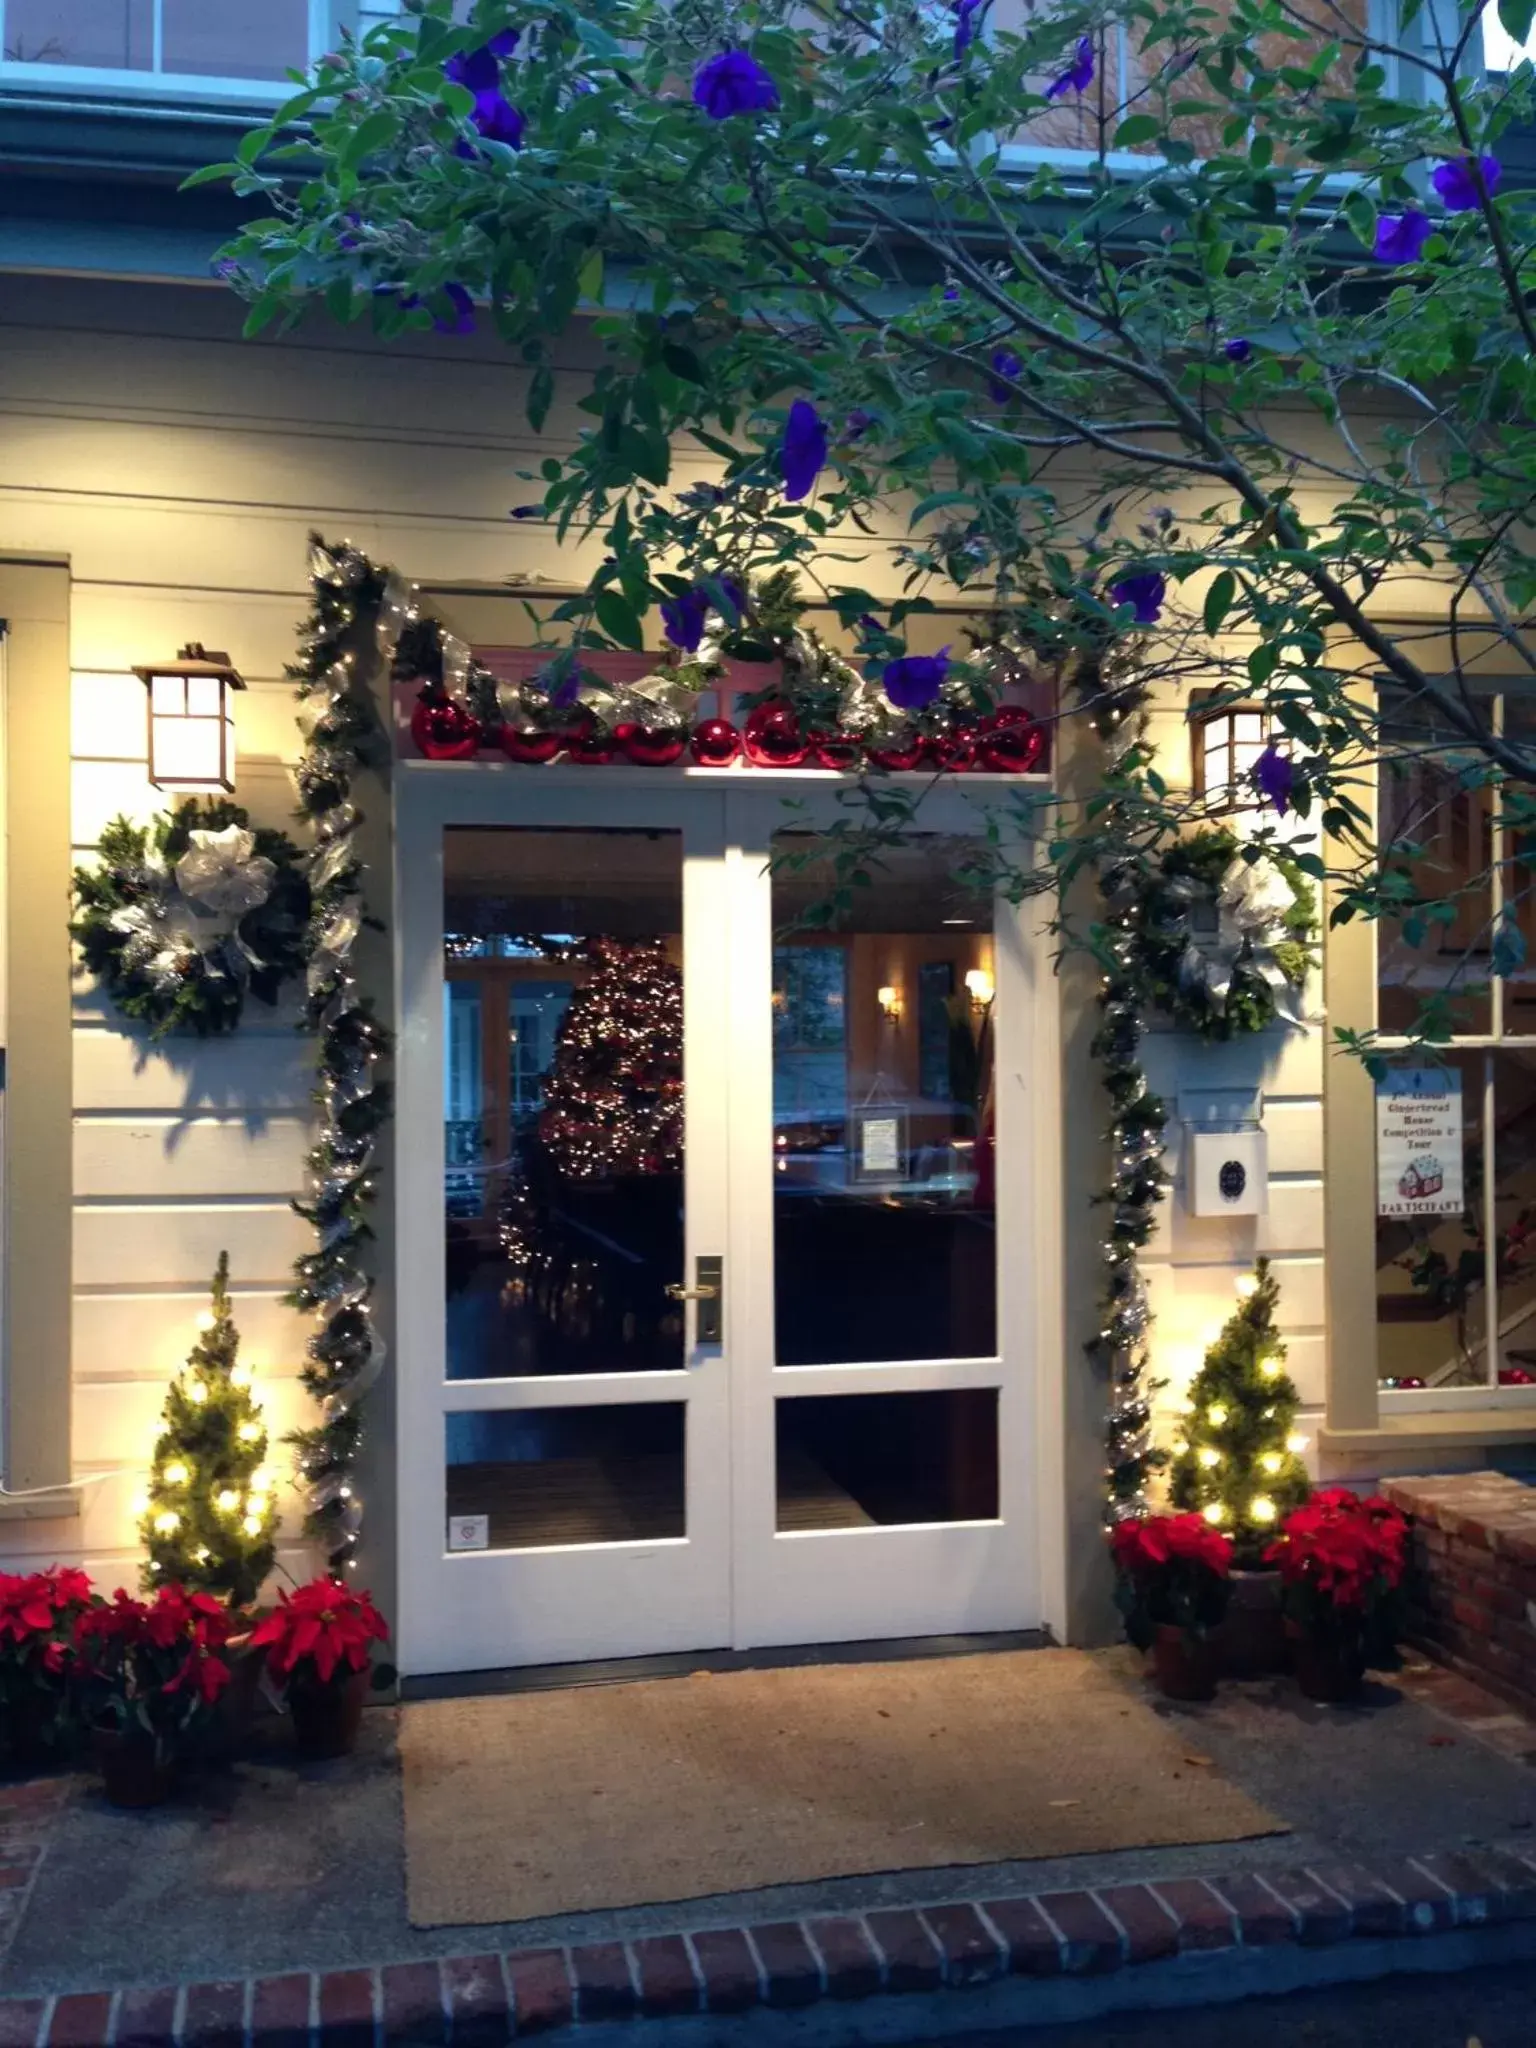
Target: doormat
<point>531,1804</point>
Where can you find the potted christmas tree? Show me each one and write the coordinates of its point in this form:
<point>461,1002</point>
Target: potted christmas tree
<point>211,1515</point>
<point>1238,1463</point>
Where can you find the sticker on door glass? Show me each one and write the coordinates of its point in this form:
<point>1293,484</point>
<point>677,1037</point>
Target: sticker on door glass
<point>469,1532</point>
<point>1418,1143</point>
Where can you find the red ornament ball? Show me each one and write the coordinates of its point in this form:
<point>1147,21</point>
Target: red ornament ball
<point>1008,742</point>
<point>843,751</point>
<point>1516,1376</point>
<point>951,752</point>
<point>715,743</point>
<point>529,743</point>
<point>901,756</point>
<point>590,743</point>
<point>443,730</point>
<point>651,746</point>
<point>773,738</point>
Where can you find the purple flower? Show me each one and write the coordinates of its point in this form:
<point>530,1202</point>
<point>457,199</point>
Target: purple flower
<point>857,424</point>
<point>1078,75</point>
<point>1457,184</point>
<point>566,691</point>
<point>683,619</point>
<point>1005,364</point>
<point>462,319</point>
<point>1274,778</point>
<point>527,511</point>
<point>965,24</point>
<point>479,70</point>
<point>1144,592</point>
<point>733,83</point>
<point>868,623</point>
<point>803,450</point>
<point>734,594</point>
<point>951,295</point>
<point>1238,349</point>
<point>915,680</point>
<point>1400,237</point>
<point>497,120</point>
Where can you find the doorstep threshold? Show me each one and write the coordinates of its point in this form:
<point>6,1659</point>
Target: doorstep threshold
<point>683,1663</point>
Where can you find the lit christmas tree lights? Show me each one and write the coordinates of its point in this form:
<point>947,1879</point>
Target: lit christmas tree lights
<point>1239,1459</point>
<point>211,1512</point>
<point>613,1101</point>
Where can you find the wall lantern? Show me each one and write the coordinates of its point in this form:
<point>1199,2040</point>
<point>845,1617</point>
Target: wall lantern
<point>1227,740</point>
<point>889,1000</point>
<point>192,720</point>
<point>980,987</point>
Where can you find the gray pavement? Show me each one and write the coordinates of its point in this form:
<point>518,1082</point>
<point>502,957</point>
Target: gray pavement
<point>272,1864</point>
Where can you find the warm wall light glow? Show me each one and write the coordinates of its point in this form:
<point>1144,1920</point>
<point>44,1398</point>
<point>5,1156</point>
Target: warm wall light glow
<point>889,1000</point>
<point>979,986</point>
<point>192,720</point>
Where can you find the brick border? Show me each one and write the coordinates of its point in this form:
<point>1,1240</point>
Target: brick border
<point>484,1999</point>
<point>1472,1580</point>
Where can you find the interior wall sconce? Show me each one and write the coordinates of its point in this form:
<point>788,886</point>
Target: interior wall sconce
<point>889,1000</point>
<point>980,987</point>
<point>1226,740</point>
<point>192,720</point>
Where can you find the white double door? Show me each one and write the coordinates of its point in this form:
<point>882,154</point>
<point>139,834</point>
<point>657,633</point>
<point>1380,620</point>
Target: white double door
<point>629,1066</point>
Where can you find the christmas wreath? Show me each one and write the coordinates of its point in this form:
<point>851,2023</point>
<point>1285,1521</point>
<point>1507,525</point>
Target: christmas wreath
<point>185,916</point>
<point>1219,944</point>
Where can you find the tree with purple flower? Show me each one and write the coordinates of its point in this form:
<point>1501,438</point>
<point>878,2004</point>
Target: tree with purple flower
<point>734,83</point>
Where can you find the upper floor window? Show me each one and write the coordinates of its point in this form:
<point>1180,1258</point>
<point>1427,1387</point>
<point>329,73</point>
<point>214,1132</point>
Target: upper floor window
<point>220,47</point>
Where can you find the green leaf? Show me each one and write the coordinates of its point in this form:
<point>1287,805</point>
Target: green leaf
<point>1515,17</point>
<point>618,619</point>
<point>541,392</point>
<point>589,279</point>
<point>1139,128</point>
<point>370,134</point>
<point>1218,600</point>
<point>682,362</point>
<point>1360,212</point>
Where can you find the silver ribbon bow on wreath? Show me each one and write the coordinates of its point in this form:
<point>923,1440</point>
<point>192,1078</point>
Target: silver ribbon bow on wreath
<point>1253,900</point>
<point>223,872</point>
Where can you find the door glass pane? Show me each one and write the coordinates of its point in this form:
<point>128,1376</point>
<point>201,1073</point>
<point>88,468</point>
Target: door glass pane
<point>572,941</point>
<point>236,38</point>
<point>523,1479</point>
<point>1434,831</point>
<point>1514,1167</point>
<point>883,1113</point>
<point>1431,1293</point>
<point>114,35</point>
<point>860,1461</point>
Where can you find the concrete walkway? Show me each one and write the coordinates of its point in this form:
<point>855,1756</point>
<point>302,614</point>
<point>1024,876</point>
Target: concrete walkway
<point>274,1866</point>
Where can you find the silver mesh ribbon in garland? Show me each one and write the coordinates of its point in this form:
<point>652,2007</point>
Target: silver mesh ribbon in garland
<point>355,608</point>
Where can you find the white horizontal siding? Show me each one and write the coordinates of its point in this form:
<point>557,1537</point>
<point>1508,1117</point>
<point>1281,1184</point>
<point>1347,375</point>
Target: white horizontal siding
<point>176,1158</point>
<point>255,1071</point>
<point>127,1335</point>
<point>176,1245</point>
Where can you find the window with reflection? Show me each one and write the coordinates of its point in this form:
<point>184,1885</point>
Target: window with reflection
<point>261,40</point>
<point>884,1122</point>
<point>1456,1291</point>
<point>563,1101</point>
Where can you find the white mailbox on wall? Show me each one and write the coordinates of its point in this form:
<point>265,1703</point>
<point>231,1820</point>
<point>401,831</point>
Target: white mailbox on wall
<point>1226,1153</point>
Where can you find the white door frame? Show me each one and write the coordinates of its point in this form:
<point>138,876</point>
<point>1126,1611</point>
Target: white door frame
<point>744,1585</point>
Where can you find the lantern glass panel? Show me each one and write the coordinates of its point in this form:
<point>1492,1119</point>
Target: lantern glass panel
<point>205,696</point>
<point>168,696</point>
<point>185,753</point>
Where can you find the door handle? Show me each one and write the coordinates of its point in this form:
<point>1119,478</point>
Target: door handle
<point>708,1291</point>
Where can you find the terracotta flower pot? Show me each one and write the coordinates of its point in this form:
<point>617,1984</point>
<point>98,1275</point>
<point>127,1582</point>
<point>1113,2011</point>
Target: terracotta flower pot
<point>1251,1640</point>
<point>1184,1665</point>
<point>1326,1669</point>
<point>326,1718</point>
<point>133,1771</point>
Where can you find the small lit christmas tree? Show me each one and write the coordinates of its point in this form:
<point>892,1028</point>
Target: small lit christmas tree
<point>613,1099</point>
<point>1239,1459</point>
<point>211,1515</point>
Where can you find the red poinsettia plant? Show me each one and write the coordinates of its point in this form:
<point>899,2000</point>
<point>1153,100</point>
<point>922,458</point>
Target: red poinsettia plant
<point>1171,1571</point>
<point>1341,1560</point>
<point>38,1612</point>
<point>320,1635</point>
<point>152,1668</point>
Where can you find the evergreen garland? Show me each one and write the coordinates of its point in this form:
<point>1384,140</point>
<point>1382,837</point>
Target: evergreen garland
<point>353,609</point>
<point>211,1517</point>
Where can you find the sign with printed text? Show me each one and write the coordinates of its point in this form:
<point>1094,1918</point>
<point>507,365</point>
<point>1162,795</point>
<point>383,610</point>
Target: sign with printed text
<point>1419,1143</point>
